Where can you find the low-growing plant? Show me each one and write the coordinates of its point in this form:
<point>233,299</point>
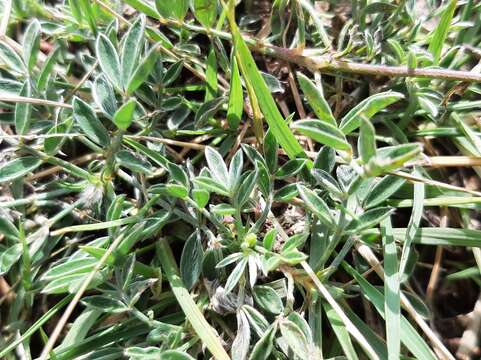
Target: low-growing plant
<point>178,181</point>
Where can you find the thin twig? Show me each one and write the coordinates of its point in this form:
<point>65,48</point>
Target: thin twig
<point>27,100</point>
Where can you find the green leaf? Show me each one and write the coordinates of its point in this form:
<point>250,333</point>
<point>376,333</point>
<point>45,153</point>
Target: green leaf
<point>391,158</point>
<point>109,60</point>
<point>295,338</point>
<point>440,32</point>
<point>323,133</point>
<point>174,355</point>
<point>201,197</point>
<point>89,123</point>
<point>17,168</point>
<point>263,348</point>
<point>267,104</point>
<point>236,97</point>
<point>205,11</point>
<point>383,190</point>
<point>143,71</point>
<point>211,76</point>
<point>268,299</point>
<point>211,185</point>
<point>105,303</point>
<point>367,109</point>
<point>31,44</point>
<point>369,219</point>
<point>11,59</point>
<point>217,166</point>
<point>315,97</point>
<point>235,275</point>
<point>23,111</point>
<point>70,267</point>
<point>269,239</point>
<point>46,71</point>
<point>7,229</point>
<point>392,302</point>
<point>235,171</point>
<point>245,189</point>
<point>290,168</point>
<point>172,9</point>
<point>208,109</point>
<point>191,260</point>
<point>367,141</point>
<point>127,159</point>
<point>131,49</point>
<point>315,204</point>
<point>104,96</point>
<point>9,256</point>
<point>124,116</point>
<point>177,190</point>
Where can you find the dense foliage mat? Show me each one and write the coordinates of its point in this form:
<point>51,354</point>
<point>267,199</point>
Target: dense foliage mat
<point>288,179</point>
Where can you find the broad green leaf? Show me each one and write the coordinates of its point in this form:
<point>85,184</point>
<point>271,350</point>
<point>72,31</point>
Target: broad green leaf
<point>85,117</point>
<point>70,267</point>
<point>268,106</point>
<point>391,158</point>
<point>392,302</point>
<point>53,144</point>
<point>295,338</point>
<point>47,69</point>
<point>369,219</point>
<point>263,348</point>
<point>201,197</point>
<point>440,32</point>
<point>211,76</point>
<point>109,60</point>
<point>127,159</point>
<point>208,109</point>
<point>382,190</point>
<point>104,96</point>
<point>323,133</point>
<point>217,166</point>
<point>315,204</point>
<point>131,49</point>
<point>245,189</point>
<point>268,299</point>
<point>205,11</point>
<point>144,6</point>
<point>124,116</point>
<point>9,256</point>
<point>17,168</point>
<point>290,168</point>
<point>367,141</point>
<point>172,9</point>
<point>316,100</point>
<point>31,44</point>
<point>191,260</point>
<point>235,170</point>
<point>173,355</point>
<point>235,275</point>
<point>107,304</point>
<point>367,109</point>
<point>143,71</point>
<point>11,59</point>
<point>236,96</point>
<point>8,230</point>
<point>23,111</point>
<point>211,185</point>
